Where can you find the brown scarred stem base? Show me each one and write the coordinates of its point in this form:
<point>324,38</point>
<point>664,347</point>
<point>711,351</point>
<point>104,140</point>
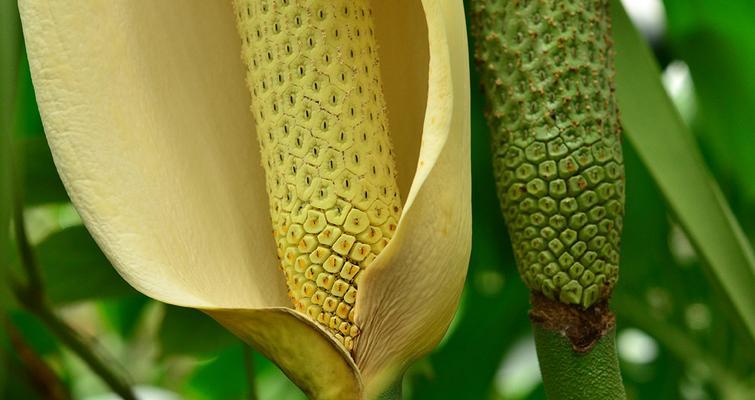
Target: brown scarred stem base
<point>583,327</point>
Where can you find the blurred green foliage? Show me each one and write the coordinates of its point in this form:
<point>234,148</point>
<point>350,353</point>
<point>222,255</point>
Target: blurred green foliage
<point>10,48</point>
<point>678,338</point>
<point>717,41</point>
<point>68,255</point>
<point>655,129</point>
<point>41,183</point>
<point>174,340</point>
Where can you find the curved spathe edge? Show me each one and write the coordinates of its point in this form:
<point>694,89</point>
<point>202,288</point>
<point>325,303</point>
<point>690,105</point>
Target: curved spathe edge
<point>307,354</point>
<point>409,295</point>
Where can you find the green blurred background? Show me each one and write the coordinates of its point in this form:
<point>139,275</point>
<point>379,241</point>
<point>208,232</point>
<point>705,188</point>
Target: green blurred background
<point>678,336</point>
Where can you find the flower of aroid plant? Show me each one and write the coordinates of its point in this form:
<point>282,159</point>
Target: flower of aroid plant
<point>355,156</point>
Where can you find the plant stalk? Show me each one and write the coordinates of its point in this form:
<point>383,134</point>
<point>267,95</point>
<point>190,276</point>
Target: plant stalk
<point>42,378</point>
<point>31,295</point>
<point>66,334</point>
<point>571,375</point>
<point>576,349</point>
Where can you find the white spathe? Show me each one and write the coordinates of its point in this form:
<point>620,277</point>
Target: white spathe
<point>147,114</point>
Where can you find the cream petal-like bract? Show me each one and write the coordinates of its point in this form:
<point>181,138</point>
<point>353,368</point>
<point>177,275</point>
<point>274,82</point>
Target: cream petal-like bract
<point>322,370</point>
<point>410,295</point>
<point>147,114</point>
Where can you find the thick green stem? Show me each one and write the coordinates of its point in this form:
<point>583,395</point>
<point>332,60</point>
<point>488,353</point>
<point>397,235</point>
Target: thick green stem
<point>568,374</point>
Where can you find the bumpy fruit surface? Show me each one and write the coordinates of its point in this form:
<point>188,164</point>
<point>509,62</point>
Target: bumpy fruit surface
<point>317,99</point>
<point>547,72</point>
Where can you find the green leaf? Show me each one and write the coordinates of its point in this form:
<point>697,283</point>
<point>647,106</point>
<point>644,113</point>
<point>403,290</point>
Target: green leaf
<point>666,147</point>
<point>123,314</point>
<point>231,367</point>
<point>717,41</point>
<point>35,334</point>
<point>74,268</point>
<point>41,181</point>
<point>187,331</point>
<point>228,368</point>
<point>11,47</point>
<point>28,122</point>
<point>272,383</point>
<point>658,293</point>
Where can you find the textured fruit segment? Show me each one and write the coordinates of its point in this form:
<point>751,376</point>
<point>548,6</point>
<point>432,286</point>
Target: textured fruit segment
<point>320,115</point>
<point>547,72</point>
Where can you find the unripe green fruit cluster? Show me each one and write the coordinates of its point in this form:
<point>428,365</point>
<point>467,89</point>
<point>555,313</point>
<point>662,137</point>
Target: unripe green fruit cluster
<point>547,72</point>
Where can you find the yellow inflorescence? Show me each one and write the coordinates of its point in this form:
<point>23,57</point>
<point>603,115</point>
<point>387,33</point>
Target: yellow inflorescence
<point>317,100</point>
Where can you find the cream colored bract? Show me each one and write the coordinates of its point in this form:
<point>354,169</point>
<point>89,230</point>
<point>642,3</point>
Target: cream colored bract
<point>146,111</point>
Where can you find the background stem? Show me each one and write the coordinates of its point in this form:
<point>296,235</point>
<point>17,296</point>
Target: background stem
<point>31,295</point>
<point>68,336</point>
<point>569,375</point>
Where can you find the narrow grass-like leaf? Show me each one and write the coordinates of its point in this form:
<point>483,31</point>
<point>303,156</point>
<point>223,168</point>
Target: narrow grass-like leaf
<point>717,40</point>
<point>663,290</point>
<point>666,147</point>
